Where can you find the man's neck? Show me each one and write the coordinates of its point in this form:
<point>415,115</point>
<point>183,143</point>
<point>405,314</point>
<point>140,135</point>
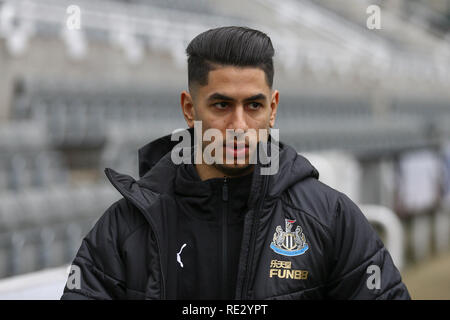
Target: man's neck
<point>206,172</point>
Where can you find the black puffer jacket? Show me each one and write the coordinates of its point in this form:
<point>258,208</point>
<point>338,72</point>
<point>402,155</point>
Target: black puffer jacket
<point>301,239</point>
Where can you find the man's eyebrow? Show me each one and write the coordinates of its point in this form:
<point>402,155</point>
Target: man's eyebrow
<point>219,96</point>
<point>259,96</point>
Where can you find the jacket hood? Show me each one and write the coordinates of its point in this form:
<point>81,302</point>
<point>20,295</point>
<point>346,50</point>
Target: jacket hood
<point>150,154</point>
<point>293,168</point>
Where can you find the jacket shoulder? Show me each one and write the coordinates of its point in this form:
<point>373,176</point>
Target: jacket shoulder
<point>100,257</point>
<point>123,217</point>
<point>314,198</point>
<point>329,207</point>
<point>355,244</point>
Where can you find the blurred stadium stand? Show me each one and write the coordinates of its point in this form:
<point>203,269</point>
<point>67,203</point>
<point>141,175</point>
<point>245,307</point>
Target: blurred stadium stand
<point>366,106</point>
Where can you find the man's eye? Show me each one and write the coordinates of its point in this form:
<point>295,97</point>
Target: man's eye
<point>220,105</point>
<point>254,105</point>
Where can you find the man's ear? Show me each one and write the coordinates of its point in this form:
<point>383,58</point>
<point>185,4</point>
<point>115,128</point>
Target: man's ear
<point>273,107</point>
<point>187,106</point>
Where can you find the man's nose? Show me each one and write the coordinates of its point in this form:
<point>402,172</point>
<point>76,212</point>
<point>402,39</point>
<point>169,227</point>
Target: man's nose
<point>238,119</point>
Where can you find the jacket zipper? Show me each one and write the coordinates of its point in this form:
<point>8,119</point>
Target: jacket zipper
<point>224,238</point>
<point>245,294</point>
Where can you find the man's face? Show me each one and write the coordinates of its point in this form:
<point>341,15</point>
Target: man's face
<point>236,98</point>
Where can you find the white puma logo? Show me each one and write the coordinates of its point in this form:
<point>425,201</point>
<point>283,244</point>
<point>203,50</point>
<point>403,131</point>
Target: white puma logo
<point>178,255</point>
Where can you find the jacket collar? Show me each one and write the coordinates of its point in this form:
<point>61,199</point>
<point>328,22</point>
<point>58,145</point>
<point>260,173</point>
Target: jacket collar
<point>151,153</point>
<point>158,173</point>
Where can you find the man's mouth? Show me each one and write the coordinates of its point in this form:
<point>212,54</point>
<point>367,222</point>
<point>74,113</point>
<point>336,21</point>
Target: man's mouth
<point>236,150</point>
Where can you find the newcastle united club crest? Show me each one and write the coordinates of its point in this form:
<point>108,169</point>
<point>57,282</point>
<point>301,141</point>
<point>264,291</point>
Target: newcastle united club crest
<point>289,243</point>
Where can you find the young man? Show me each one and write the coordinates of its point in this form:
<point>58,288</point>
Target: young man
<point>227,229</point>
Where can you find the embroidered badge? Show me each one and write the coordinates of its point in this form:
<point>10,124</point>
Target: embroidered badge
<point>289,243</point>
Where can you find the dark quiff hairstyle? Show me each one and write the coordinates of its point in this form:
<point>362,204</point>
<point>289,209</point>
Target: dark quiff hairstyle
<point>229,46</point>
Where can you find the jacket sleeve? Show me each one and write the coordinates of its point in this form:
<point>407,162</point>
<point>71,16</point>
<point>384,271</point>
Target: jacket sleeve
<point>97,271</point>
<point>362,268</point>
